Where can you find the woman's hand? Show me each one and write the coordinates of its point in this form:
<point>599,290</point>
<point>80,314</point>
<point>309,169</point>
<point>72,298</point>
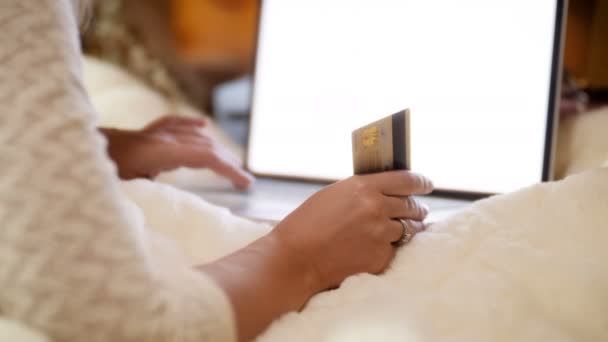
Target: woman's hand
<point>349,227</point>
<point>344,229</point>
<point>169,143</point>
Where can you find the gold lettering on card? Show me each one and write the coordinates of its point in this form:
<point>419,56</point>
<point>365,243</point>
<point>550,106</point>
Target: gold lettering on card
<point>370,136</point>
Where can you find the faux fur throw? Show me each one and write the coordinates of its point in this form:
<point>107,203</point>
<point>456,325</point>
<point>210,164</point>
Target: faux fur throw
<point>526,266</point>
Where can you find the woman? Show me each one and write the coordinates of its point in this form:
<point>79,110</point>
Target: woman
<point>75,265</point>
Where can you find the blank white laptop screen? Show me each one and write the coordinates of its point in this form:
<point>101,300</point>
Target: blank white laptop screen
<point>476,74</point>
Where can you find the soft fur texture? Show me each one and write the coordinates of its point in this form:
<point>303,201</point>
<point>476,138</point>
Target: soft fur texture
<point>203,231</point>
<point>527,266</point>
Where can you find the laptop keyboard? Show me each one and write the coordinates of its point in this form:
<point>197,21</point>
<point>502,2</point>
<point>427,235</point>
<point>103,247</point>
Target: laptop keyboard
<point>272,200</point>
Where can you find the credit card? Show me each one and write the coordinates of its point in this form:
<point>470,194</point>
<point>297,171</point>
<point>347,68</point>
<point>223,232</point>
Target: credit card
<point>383,145</point>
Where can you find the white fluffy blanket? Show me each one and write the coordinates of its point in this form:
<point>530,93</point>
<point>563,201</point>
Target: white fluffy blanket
<point>527,266</point>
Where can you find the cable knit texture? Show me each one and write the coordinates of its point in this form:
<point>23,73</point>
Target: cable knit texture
<point>73,263</point>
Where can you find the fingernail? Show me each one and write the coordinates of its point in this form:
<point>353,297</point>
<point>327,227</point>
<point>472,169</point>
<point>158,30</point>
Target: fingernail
<point>425,209</point>
<point>246,184</point>
<point>428,184</point>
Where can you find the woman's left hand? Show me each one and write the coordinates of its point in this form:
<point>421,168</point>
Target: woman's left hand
<point>169,143</point>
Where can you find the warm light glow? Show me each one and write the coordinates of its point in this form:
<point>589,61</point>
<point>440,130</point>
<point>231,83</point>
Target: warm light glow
<point>475,73</point>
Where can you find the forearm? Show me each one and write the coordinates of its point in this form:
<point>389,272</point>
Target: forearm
<point>263,281</point>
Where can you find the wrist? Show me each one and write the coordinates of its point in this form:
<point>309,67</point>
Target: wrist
<point>263,281</point>
<point>297,260</point>
<point>124,147</point>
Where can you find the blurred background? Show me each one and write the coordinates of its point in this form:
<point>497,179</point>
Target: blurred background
<point>202,52</point>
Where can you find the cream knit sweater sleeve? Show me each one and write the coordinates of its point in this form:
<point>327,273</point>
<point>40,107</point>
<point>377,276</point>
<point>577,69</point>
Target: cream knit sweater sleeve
<point>73,263</point>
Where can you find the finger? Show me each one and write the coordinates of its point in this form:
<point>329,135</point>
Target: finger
<point>194,140</point>
<point>409,228</point>
<point>389,254</point>
<point>401,183</point>
<point>206,142</point>
<point>226,153</point>
<point>229,155</point>
<point>382,256</point>
<point>186,131</point>
<point>239,177</point>
<point>177,120</point>
<point>194,156</point>
<point>405,207</point>
<point>394,231</point>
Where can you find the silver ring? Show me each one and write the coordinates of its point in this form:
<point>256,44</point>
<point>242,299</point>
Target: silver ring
<point>407,233</point>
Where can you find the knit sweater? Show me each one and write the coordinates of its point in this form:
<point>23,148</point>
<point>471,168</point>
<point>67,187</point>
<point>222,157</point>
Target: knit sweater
<point>74,264</point>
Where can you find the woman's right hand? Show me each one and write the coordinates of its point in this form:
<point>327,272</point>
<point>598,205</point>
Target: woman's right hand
<point>344,229</point>
<point>350,227</point>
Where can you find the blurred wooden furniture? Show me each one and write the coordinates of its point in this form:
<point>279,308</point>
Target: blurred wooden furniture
<point>202,43</point>
<point>216,34</point>
<point>586,54</point>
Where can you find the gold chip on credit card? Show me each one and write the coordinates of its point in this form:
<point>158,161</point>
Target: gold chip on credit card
<point>383,145</point>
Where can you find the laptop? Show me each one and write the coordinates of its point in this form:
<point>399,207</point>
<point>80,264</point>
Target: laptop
<point>481,78</point>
